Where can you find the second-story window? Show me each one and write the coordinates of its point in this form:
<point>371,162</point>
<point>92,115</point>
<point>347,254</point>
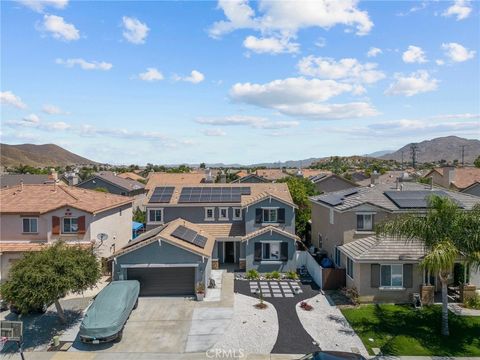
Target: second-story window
<point>155,215</point>
<point>365,222</point>
<point>70,226</point>
<point>223,213</point>
<point>209,214</point>
<point>30,225</point>
<point>237,214</point>
<point>270,215</point>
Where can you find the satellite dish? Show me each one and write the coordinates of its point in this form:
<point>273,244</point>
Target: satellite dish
<point>102,237</point>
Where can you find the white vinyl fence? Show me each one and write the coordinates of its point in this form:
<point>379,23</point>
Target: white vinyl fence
<point>315,270</point>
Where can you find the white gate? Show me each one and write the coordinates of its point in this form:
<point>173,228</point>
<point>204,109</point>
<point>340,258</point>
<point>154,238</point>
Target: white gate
<point>315,270</point>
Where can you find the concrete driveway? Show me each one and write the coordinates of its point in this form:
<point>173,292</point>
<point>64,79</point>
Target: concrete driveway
<point>158,325</point>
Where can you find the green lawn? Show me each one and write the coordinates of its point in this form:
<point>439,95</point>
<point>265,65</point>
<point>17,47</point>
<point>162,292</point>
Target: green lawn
<point>401,330</point>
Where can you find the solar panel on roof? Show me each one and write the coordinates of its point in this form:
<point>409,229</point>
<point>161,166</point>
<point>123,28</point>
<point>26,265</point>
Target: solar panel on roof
<point>211,194</point>
<point>412,199</point>
<point>190,236</point>
<point>162,194</point>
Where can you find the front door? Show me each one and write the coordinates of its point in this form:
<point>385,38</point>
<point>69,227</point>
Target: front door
<point>229,252</point>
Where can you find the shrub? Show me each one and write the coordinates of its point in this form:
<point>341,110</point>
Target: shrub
<point>292,275</point>
<point>352,294</point>
<point>273,275</point>
<point>473,302</point>
<point>252,275</point>
<point>200,288</point>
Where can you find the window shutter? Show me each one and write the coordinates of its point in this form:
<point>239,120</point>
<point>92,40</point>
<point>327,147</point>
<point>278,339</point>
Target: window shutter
<point>258,251</point>
<point>408,276</point>
<point>281,216</point>
<point>375,275</point>
<point>81,224</point>
<point>55,225</point>
<point>258,216</point>
<point>284,251</point>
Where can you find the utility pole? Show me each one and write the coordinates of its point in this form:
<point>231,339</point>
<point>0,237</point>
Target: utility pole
<point>414,149</point>
<point>463,155</point>
<point>402,158</point>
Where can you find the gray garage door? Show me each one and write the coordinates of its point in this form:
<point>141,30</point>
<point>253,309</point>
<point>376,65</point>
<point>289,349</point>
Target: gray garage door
<point>164,281</point>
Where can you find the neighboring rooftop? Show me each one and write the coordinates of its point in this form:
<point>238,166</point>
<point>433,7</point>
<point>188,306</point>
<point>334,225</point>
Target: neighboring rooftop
<point>125,184</point>
<point>255,192</point>
<point>40,199</point>
<point>381,248</point>
<point>378,196</point>
<point>131,176</point>
<point>7,180</point>
<point>390,177</point>
<point>459,178</point>
<point>161,178</point>
<point>272,174</point>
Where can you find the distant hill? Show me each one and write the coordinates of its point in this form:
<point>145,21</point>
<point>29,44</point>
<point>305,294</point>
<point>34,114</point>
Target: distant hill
<point>39,155</point>
<point>380,153</point>
<point>447,148</point>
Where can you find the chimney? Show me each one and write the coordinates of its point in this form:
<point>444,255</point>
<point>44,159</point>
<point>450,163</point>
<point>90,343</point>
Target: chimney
<point>223,178</point>
<point>53,175</point>
<point>374,178</point>
<point>208,176</point>
<point>397,184</point>
<point>449,175</point>
<point>72,180</point>
<point>299,173</point>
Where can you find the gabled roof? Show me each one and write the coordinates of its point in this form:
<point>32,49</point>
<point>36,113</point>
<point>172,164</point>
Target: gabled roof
<point>125,184</point>
<point>475,184</point>
<point>162,178</point>
<point>131,176</point>
<point>35,246</point>
<point>383,249</point>
<point>272,174</point>
<point>463,177</point>
<point>376,196</point>
<point>7,180</point>
<point>40,199</point>
<point>323,177</point>
<point>248,177</point>
<point>164,233</point>
<point>224,230</point>
<point>270,228</point>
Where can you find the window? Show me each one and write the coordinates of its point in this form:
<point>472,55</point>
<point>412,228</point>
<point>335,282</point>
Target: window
<point>391,276</point>
<point>155,215</point>
<point>209,214</point>
<point>70,225</point>
<point>271,251</point>
<point>337,257</point>
<point>30,225</point>
<point>270,215</point>
<point>350,267</point>
<point>237,214</point>
<point>332,219</point>
<point>223,213</point>
<point>365,222</point>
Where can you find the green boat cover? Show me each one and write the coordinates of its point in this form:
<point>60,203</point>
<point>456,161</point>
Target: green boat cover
<point>110,309</point>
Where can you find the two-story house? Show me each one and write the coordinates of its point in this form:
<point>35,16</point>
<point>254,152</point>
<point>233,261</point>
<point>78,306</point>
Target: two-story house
<point>380,268</point>
<point>194,228</point>
<point>34,216</point>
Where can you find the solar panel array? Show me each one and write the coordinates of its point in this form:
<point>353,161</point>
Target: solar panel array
<point>411,199</point>
<point>210,194</point>
<point>162,194</point>
<point>190,236</point>
<point>337,198</point>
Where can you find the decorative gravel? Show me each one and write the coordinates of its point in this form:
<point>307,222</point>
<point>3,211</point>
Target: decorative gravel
<point>251,330</point>
<point>328,327</point>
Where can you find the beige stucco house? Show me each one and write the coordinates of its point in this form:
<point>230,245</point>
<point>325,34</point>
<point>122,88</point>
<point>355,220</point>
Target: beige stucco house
<point>34,216</point>
<point>381,269</point>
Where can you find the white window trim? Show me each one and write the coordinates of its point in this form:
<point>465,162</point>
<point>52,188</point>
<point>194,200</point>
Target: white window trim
<point>382,287</point>
<point>363,214</point>
<point>337,251</point>
<point>63,228</point>
<point>30,218</point>
<point>269,208</point>
<point>213,214</point>
<point>332,217</point>
<point>220,217</point>
<point>346,267</point>
<point>239,217</point>
<point>155,222</point>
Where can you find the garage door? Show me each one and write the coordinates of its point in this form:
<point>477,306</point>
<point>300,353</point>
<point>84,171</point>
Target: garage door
<point>164,281</point>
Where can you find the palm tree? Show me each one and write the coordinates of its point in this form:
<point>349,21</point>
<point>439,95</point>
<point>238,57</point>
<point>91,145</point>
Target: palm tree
<point>447,232</point>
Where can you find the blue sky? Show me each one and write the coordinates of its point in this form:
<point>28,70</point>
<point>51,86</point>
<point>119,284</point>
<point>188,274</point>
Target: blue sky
<point>237,81</point>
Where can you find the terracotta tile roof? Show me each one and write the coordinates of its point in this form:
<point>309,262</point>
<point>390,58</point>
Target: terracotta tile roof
<point>307,173</point>
<point>26,246</point>
<point>272,174</point>
<point>159,179</point>
<point>390,177</point>
<point>259,191</point>
<point>131,176</point>
<point>224,230</point>
<point>40,199</point>
<point>270,228</point>
<point>165,232</point>
<point>463,176</point>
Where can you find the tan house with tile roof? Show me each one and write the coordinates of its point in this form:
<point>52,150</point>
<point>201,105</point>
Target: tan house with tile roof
<point>456,178</point>
<point>33,216</point>
<point>131,175</point>
<point>161,178</point>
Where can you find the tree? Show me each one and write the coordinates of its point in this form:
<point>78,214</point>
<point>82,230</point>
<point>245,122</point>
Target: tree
<point>301,189</point>
<point>202,165</point>
<point>477,162</point>
<point>43,277</point>
<point>447,232</point>
<point>139,215</point>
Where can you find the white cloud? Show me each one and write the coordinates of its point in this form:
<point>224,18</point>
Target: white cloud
<point>52,110</point>
<point>214,132</point>
<point>457,53</point>
<point>134,30</point>
<point>255,122</point>
<point>9,98</point>
<point>40,5</point>
<point>348,69</point>
<point>414,54</point>
<point>374,51</point>
<point>271,45</point>
<point>460,8</point>
<point>415,83</point>
<point>316,111</point>
<point>85,65</point>
<point>59,29</point>
<point>439,62</point>
<point>195,77</point>
<point>32,118</point>
<point>152,74</point>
